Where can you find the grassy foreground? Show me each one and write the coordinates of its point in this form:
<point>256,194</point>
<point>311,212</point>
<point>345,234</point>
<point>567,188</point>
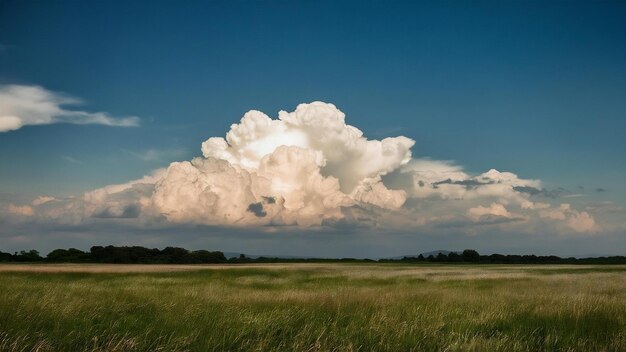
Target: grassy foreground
<point>311,307</point>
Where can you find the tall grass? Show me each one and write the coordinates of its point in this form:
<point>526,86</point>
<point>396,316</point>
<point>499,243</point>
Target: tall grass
<point>320,307</point>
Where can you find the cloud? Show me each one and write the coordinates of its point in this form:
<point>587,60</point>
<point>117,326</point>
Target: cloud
<point>426,179</point>
<point>157,154</point>
<point>310,169</point>
<point>581,222</point>
<point>373,191</point>
<point>347,154</point>
<point>556,213</point>
<point>213,191</point>
<point>469,184</point>
<point>574,219</point>
<point>22,105</point>
<point>310,161</point>
<point>605,207</point>
<point>71,160</point>
<point>494,209</point>
<point>129,211</point>
<point>127,200</point>
<point>554,193</point>
<point>527,189</point>
<point>24,210</point>
<point>42,200</point>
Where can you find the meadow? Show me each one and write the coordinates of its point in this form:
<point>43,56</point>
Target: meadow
<point>312,307</point>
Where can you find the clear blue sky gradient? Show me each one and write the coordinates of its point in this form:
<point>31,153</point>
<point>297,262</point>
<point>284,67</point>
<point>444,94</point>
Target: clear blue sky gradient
<point>536,88</point>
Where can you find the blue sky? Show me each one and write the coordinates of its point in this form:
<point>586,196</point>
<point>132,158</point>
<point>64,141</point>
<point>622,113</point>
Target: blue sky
<point>535,88</point>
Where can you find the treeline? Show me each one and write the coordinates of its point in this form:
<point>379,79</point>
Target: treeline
<point>472,256</point>
<point>176,255</point>
<point>119,255</point>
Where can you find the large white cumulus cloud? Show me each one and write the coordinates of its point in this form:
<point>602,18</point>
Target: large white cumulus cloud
<point>347,154</point>
<point>301,168</point>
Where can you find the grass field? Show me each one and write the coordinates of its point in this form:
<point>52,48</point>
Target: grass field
<point>312,307</point>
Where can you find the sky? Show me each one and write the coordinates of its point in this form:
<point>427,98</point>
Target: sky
<point>94,94</point>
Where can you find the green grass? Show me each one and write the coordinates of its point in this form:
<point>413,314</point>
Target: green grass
<point>317,307</point>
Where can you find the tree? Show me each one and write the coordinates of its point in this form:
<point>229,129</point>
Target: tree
<point>455,257</point>
<point>30,256</point>
<point>71,255</point>
<point>5,257</point>
<point>174,254</point>
<point>205,257</point>
<point>470,255</point>
<point>57,255</point>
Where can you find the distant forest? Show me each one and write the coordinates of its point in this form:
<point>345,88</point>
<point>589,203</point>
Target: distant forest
<point>176,255</point>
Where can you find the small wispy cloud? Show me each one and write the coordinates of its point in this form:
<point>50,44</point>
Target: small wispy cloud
<point>574,195</point>
<point>22,105</point>
<point>150,155</point>
<point>69,159</point>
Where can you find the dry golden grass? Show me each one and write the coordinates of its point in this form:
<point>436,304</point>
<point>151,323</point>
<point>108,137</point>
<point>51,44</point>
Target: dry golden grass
<point>312,307</point>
